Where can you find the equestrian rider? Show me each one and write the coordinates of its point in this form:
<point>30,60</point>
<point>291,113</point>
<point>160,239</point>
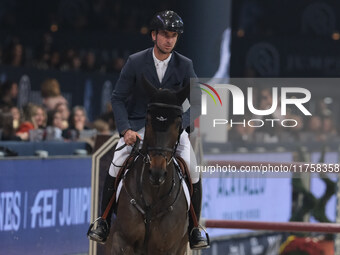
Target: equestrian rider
<point>164,68</point>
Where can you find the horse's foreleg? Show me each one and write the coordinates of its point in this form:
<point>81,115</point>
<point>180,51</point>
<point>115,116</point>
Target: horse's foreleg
<point>120,247</point>
<point>182,248</point>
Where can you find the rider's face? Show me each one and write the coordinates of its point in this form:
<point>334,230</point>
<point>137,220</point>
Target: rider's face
<point>165,41</point>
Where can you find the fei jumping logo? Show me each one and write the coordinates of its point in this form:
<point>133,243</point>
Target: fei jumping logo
<point>301,96</point>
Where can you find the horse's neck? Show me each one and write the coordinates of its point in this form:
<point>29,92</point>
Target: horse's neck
<point>144,145</point>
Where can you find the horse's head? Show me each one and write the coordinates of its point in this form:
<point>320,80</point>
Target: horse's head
<point>163,128</point>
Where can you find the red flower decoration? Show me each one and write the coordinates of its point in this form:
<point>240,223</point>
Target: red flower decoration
<point>299,245</point>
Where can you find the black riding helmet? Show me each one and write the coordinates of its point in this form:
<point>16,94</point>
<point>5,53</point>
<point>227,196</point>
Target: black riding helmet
<point>167,20</point>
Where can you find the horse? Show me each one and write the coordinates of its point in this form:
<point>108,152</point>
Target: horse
<point>151,214</point>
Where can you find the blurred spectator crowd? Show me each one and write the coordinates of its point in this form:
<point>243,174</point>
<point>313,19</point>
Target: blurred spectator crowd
<point>55,121</point>
<point>77,15</point>
<point>51,121</point>
<point>46,56</point>
<point>97,18</point>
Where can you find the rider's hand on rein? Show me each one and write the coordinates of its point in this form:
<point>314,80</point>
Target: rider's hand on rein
<point>130,137</point>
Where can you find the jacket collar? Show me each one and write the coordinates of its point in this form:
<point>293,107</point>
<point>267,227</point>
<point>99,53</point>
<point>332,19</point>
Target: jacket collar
<point>152,69</point>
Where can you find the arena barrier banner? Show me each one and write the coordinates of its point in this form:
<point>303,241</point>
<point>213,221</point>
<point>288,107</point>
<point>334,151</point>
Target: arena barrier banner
<point>264,244</point>
<point>230,197</point>
<point>44,205</point>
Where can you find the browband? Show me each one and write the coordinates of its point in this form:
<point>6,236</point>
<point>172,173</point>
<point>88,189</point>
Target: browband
<point>165,106</point>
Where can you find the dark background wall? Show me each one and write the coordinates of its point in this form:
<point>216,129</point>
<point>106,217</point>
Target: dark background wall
<point>205,22</point>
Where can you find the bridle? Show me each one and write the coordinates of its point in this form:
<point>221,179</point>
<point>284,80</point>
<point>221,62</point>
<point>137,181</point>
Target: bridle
<point>162,151</point>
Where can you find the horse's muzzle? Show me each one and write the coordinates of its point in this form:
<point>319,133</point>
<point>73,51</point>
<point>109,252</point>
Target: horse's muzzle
<point>157,176</point>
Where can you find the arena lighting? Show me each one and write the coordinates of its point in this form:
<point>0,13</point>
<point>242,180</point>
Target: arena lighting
<point>240,33</point>
<point>335,36</point>
<point>54,28</point>
<point>144,30</point>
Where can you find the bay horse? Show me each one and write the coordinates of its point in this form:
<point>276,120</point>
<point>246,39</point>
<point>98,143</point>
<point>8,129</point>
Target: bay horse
<point>152,215</point>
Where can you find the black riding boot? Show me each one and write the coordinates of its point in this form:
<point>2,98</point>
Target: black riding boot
<point>197,241</point>
<point>102,231</point>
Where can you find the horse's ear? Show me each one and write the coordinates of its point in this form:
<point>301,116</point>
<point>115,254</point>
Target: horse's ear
<point>150,90</point>
<point>184,92</point>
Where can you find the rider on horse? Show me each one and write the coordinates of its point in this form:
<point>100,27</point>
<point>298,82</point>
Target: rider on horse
<point>166,69</point>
